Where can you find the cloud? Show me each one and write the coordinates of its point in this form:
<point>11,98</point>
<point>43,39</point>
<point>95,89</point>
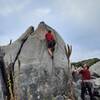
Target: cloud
<point>3,43</point>
<point>41,12</point>
<point>12,6</point>
<point>79,10</point>
<point>80,53</point>
<point>37,13</point>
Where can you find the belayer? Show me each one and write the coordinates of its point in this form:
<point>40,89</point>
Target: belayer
<point>86,84</point>
<point>50,39</point>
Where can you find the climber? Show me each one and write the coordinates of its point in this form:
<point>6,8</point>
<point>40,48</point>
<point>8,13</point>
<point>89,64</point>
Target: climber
<point>86,84</point>
<point>50,39</point>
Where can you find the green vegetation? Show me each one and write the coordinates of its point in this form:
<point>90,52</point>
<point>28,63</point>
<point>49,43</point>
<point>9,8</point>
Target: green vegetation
<point>88,62</point>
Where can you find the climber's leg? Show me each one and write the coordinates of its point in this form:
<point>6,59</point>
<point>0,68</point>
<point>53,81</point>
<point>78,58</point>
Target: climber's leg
<point>83,90</point>
<point>51,47</point>
<point>53,43</point>
<point>50,52</point>
<point>89,87</point>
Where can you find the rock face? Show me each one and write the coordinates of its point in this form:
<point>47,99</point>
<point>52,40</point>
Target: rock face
<point>1,92</point>
<point>96,68</point>
<point>36,75</point>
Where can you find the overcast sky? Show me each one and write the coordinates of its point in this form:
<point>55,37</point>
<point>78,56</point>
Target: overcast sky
<point>77,21</point>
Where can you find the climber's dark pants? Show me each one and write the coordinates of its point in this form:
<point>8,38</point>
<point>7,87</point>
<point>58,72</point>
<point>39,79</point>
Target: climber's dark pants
<point>51,44</point>
<point>86,86</point>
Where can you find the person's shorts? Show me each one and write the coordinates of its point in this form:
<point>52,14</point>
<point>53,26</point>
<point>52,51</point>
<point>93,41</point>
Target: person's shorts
<point>51,44</point>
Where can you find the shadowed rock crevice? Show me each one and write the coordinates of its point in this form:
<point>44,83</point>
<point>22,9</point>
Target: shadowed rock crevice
<point>3,77</point>
<point>23,40</point>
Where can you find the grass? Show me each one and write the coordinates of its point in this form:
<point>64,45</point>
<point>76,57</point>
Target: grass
<point>89,62</point>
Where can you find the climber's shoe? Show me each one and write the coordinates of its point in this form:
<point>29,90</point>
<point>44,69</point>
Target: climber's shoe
<point>52,56</point>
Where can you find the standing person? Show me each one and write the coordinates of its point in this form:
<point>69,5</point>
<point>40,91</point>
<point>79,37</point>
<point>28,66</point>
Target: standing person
<point>86,85</point>
<point>50,39</point>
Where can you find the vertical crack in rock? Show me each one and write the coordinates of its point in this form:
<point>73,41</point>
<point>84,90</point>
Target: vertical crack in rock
<point>3,77</point>
<point>23,40</point>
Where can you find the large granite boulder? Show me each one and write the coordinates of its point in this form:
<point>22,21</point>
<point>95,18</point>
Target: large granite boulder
<point>36,75</point>
<point>95,68</point>
<point>95,71</point>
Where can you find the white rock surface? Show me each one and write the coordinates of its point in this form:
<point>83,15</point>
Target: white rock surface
<point>95,68</point>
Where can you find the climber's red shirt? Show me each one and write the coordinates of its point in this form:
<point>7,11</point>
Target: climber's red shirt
<point>49,36</point>
<point>85,74</point>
